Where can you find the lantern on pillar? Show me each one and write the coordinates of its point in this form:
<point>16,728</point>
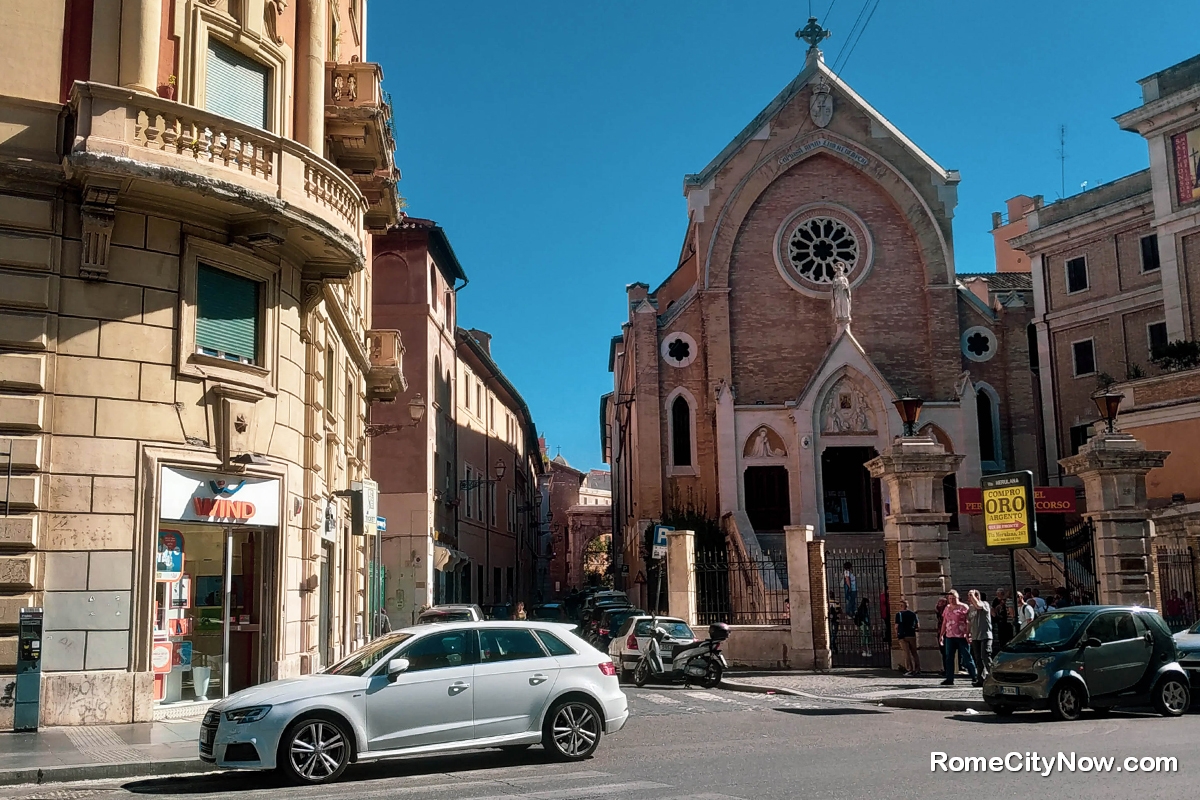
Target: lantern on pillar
<point>1109,402</point>
<point>909,408</point>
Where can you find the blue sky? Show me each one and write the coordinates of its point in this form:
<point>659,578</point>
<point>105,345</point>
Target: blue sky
<point>550,138</point>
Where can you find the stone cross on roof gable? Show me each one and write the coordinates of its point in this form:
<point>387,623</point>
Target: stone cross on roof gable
<point>812,33</point>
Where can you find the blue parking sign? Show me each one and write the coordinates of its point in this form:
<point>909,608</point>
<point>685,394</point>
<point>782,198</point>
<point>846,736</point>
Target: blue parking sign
<point>660,541</point>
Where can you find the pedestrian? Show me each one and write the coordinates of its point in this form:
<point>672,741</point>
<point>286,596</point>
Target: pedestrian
<point>849,588</point>
<point>1025,610</point>
<point>980,619</point>
<point>1002,629</point>
<point>907,625</point>
<point>955,637</point>
<point>862,620</point>
<point>520,610</point>
<point>1175,611</point>
<point>1038,602</point>
<point>383,623</point>
<point>834,625</point>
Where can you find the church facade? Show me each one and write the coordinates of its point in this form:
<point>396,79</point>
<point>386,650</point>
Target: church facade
<point>816,285</point>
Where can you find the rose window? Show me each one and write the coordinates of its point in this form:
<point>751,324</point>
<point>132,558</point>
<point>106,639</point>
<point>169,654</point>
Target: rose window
<point>817,244</point>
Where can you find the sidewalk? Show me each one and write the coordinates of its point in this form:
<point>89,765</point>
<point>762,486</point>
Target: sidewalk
<point>100,751</point>
<point>865,685</point>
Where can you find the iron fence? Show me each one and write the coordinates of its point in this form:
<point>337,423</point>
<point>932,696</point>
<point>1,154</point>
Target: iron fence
<point>1079,564</point>
<point>741,588</point>
<point>1176,586</point>
<point>860,630</point>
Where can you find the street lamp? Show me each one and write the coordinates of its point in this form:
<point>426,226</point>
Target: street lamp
<point>500,467</point>
<point>416,410</point>
<point>1109,402</point>
<point>909,408</point>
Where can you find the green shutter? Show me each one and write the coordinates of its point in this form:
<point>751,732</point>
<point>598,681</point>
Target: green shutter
<point>235,86</point>
<point>226,314</point>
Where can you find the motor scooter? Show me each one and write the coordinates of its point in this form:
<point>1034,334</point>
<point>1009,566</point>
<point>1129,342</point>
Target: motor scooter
<point>700,662</point>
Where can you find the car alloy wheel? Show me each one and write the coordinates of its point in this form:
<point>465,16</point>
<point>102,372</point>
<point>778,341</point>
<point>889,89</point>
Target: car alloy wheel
<point>317,751</point>
<point>573,732</point>
<point>1172,698</point>
<point>1066,702</point>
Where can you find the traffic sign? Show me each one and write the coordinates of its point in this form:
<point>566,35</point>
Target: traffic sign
<point>660,541</point>
<point>1008,509</point>
<point>641,577</point>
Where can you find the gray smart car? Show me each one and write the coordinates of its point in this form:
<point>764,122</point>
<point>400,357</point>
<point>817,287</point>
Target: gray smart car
<point>1096,656</point>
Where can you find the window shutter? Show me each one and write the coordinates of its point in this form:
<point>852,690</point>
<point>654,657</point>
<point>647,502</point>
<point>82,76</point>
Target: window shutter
<point>226,314</point>
<point>236,86</point>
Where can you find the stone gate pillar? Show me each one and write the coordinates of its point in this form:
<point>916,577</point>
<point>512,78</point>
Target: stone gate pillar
<point>807,600</point>
<point>916,540</point>
<point>681,575</point>
<point>1113,468</point>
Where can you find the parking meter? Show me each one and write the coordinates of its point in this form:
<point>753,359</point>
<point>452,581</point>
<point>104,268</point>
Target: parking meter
<point>27,708</point>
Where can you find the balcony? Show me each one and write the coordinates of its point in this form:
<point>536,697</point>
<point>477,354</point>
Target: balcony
<point>358,128</point>
<point>385,379</point>
<point>270,191</point>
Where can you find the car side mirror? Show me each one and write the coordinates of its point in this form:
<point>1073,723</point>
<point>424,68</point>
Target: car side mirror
<point>1092,641</point>
<point>395,667</point>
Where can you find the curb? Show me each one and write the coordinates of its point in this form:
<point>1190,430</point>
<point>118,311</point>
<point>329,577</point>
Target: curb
<point>916,703</point>
<point>92,772</point>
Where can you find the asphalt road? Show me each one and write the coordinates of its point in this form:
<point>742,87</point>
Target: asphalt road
<point>718,745</point>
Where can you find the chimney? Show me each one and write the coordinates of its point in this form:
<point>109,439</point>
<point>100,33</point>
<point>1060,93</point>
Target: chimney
<point>484,338</point>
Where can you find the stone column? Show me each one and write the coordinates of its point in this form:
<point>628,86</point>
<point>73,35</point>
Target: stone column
<point>916,541</point>
<point>806,598</point>
<point>1113,469</point>
<point>312,19</point>
<point>681,575</point>
<point>141,30</point>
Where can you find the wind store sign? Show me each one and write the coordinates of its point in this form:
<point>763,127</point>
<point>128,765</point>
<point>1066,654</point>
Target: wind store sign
<point>213,497</point>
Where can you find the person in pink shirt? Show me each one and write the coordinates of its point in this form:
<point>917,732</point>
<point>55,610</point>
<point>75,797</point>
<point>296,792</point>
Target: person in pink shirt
<point>954,635</point>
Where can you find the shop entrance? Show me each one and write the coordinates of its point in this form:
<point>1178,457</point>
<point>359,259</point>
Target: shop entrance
<point>211,617</point>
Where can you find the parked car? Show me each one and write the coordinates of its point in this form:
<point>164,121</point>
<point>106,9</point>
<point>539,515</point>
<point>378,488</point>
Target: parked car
<point>609,622</point>
<point>590,619</point>
<point>499,611</point>
<point>549,612</point>
<point>634,634</point>
<point>431,689</point>
<point>1187,643</point>
<point>1097,656</point>
<point>454,612</point>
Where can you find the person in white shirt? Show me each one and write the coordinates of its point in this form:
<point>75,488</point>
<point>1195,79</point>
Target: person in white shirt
<point>1039,605</point>
<point>1025,610</point>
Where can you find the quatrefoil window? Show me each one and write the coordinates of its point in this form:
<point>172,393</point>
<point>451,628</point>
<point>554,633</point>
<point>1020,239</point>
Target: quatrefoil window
<point>978,343</point>
<point>678,350</point>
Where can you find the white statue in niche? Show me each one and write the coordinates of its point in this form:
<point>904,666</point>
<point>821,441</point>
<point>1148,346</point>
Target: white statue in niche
<point>846,410</point>
<point>761,446</point>
<point>841,294</point>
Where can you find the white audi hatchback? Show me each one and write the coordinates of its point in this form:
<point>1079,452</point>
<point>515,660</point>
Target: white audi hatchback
<point>427,689</point>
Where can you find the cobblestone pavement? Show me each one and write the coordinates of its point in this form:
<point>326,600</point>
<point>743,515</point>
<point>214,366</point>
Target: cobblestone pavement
<point>859,684</point>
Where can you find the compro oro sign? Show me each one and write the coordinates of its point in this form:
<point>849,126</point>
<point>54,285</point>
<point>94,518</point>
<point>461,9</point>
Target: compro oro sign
<point>1008,509</point>
<point>212,497</point>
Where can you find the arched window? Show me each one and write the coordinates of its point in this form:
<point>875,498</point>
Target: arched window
<point>987,410</point>
<point>433,287</point>
<point>681,433</point>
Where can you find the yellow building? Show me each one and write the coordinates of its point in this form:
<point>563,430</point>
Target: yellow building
<point>187,193</point>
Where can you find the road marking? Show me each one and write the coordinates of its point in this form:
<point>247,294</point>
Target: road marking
<point>661,699</point>
<point>606,790</point>
<point>710,697</point>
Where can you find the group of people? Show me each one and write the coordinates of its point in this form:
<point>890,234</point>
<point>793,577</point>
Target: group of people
<point>971,631</point>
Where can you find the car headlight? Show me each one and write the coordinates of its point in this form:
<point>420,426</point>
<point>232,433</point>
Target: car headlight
<point>1045,661</point>
<point>249,714</point>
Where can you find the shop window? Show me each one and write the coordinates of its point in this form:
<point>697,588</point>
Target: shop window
<point>1077,275</point>
<point>1083,354</point>
<point>236,86</point>
<point>1150,253</point>
<point>227,315</point>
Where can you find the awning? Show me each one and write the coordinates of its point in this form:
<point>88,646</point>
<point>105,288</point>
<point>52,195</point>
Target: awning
<point>447,559</point>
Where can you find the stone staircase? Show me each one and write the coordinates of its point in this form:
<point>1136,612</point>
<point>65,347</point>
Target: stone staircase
<point>974,566</point>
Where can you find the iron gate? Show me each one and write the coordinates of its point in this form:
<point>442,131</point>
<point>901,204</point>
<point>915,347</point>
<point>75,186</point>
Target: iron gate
<point>857,583</point>
<point>1176,586</point>
<point>1079,564</point>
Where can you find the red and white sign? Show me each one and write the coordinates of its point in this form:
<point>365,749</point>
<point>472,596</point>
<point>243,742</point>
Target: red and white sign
<point>162,656</point>
<point>1046,500</point>
<point>213,497</point>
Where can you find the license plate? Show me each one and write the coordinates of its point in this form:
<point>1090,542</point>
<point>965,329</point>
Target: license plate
<point>667,651</point>
<point>1009,690</point>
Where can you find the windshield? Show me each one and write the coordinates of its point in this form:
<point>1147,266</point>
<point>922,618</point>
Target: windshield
<point>1048,631</point>
<point>360,661</point>
<point>674,628</point>
<point>445,616</point>
<point>1195,628</point>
